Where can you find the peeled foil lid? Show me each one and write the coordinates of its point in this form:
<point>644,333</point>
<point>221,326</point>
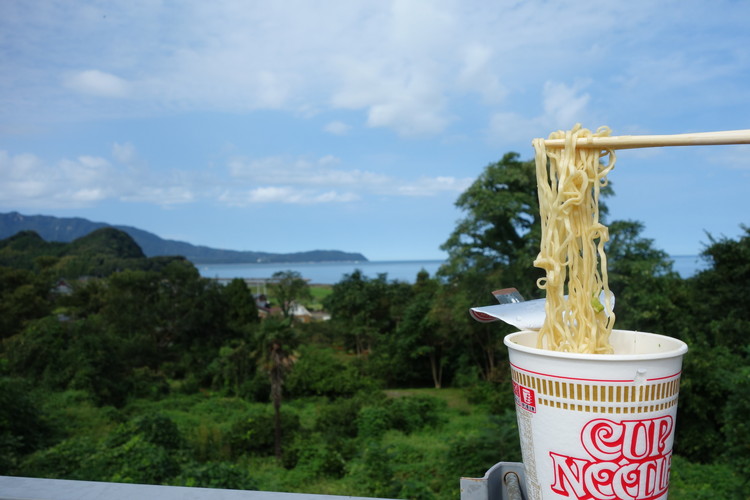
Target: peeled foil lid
<point>526,315</point>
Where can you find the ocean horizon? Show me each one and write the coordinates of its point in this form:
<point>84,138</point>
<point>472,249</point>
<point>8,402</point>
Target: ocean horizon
<point>324,273</point>
<point>330,273</point>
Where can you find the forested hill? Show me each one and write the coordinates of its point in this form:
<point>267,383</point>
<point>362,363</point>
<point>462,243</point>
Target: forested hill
<point>99,253</point>
<point>67,229</point>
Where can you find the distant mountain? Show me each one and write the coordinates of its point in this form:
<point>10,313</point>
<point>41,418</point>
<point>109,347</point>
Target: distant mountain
<point>68,229</point>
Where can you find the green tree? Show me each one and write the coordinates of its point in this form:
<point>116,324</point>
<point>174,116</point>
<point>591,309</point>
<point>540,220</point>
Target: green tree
<point>23,429</point>
<point>493,246</point>
<point>241,309</point>
<point>363,308</point>
<point>24,296</point>
<point>234,367</point>
<point>190,310</point>
<point>80,354</point>
<point>87,297</point>
<point>288,288</point>
<point>648,293</point>
<point>172,315</point>
<point>415,350</point>
<point>720,297</point>
<point>499,235</point>
<point>712,415</point>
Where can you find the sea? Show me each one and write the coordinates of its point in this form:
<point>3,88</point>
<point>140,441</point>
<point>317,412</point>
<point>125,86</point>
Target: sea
<point>329,273</point>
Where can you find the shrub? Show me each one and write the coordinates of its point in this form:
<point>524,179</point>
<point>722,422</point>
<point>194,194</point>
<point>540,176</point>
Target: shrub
<point>691,481</point>
<point>497,397</point>
<point>318,372</point>
<point>406,414</point>
<point>155,428</point>
<point>22,429</point>
<point>471,455</point>
<point>339,417</point>
<point>135,461</point>
<point>158,429</point>
<point>149,383</point>
<point>62,461</point>
<point>411,413</point>
<point>374,471</point>
<point>373,421</point>
<point>215,475</point>
<point>316,456</point>
<point>415,490</point>
<point>253,433</point>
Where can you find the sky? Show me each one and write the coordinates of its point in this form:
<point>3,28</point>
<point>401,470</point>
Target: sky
<point>355,125</point>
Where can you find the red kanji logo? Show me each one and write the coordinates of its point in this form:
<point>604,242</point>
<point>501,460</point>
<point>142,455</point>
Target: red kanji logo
<point>525,397</point>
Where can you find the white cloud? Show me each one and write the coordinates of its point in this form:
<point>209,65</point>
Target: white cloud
<point>284,195</point>
<point>509,128</point>
<point>164,196</point>
<point>430,186</point>
<point>97,83</point>
<point>406,66</point>
<point>337,128</point>
<point>124,153</point>
<point>333,196</point>
<point>272,194</point>
<point>290,180</point>
<point>477,73</point>
<point>28,181</point>
<point>329,160</point>
<point>301,172</point>
<point>401,96</point>
<point>564,105</point>
<point>88,196</point>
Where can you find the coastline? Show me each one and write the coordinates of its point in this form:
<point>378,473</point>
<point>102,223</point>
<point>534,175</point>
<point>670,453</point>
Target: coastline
<point>330,273</point>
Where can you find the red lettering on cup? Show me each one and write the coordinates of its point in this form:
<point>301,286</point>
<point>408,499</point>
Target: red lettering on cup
<point>629,460</point>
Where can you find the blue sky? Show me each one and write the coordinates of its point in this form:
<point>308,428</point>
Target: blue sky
<point>355,125</point>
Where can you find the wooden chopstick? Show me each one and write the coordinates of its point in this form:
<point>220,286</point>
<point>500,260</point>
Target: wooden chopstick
<point>655,141</point>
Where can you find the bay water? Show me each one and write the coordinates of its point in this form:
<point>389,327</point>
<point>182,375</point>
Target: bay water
<point>324,273</point>
<point>329,273</point>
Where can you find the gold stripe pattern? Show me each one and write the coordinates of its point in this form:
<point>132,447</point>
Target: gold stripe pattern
<point>601,397</point>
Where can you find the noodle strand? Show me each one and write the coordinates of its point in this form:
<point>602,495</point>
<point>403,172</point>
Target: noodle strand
<point>579,316</point>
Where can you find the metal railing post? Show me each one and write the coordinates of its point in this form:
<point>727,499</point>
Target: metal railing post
<point>503,481</point>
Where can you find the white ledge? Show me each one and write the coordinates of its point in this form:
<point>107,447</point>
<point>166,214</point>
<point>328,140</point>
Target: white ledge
<point>29,488</point>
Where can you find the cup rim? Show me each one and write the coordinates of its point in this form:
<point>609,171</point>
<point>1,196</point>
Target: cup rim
<point>680,348</point>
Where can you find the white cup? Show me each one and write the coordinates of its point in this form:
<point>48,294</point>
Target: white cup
<point>597,426</point>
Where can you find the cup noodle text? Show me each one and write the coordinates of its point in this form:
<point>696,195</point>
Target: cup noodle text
<point>629,460</point>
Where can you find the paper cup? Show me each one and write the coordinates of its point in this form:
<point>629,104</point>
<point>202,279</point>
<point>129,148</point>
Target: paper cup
<point>597,426</point>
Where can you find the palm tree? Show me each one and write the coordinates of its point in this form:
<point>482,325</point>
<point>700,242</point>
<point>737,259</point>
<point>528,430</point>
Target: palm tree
<point>275,352</point>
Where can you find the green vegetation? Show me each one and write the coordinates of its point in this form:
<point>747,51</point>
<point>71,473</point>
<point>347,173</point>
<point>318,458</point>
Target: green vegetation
<point>116,367</point>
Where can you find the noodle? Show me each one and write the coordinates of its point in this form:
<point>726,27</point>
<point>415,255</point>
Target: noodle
<point>572,244</point>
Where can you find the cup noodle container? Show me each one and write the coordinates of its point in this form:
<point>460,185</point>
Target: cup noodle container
<point>597,426</point>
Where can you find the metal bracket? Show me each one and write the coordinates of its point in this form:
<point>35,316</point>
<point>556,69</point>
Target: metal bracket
<point>503,481</point>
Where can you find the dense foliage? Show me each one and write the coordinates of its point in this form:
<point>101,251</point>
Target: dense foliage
<point>121,368</point>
